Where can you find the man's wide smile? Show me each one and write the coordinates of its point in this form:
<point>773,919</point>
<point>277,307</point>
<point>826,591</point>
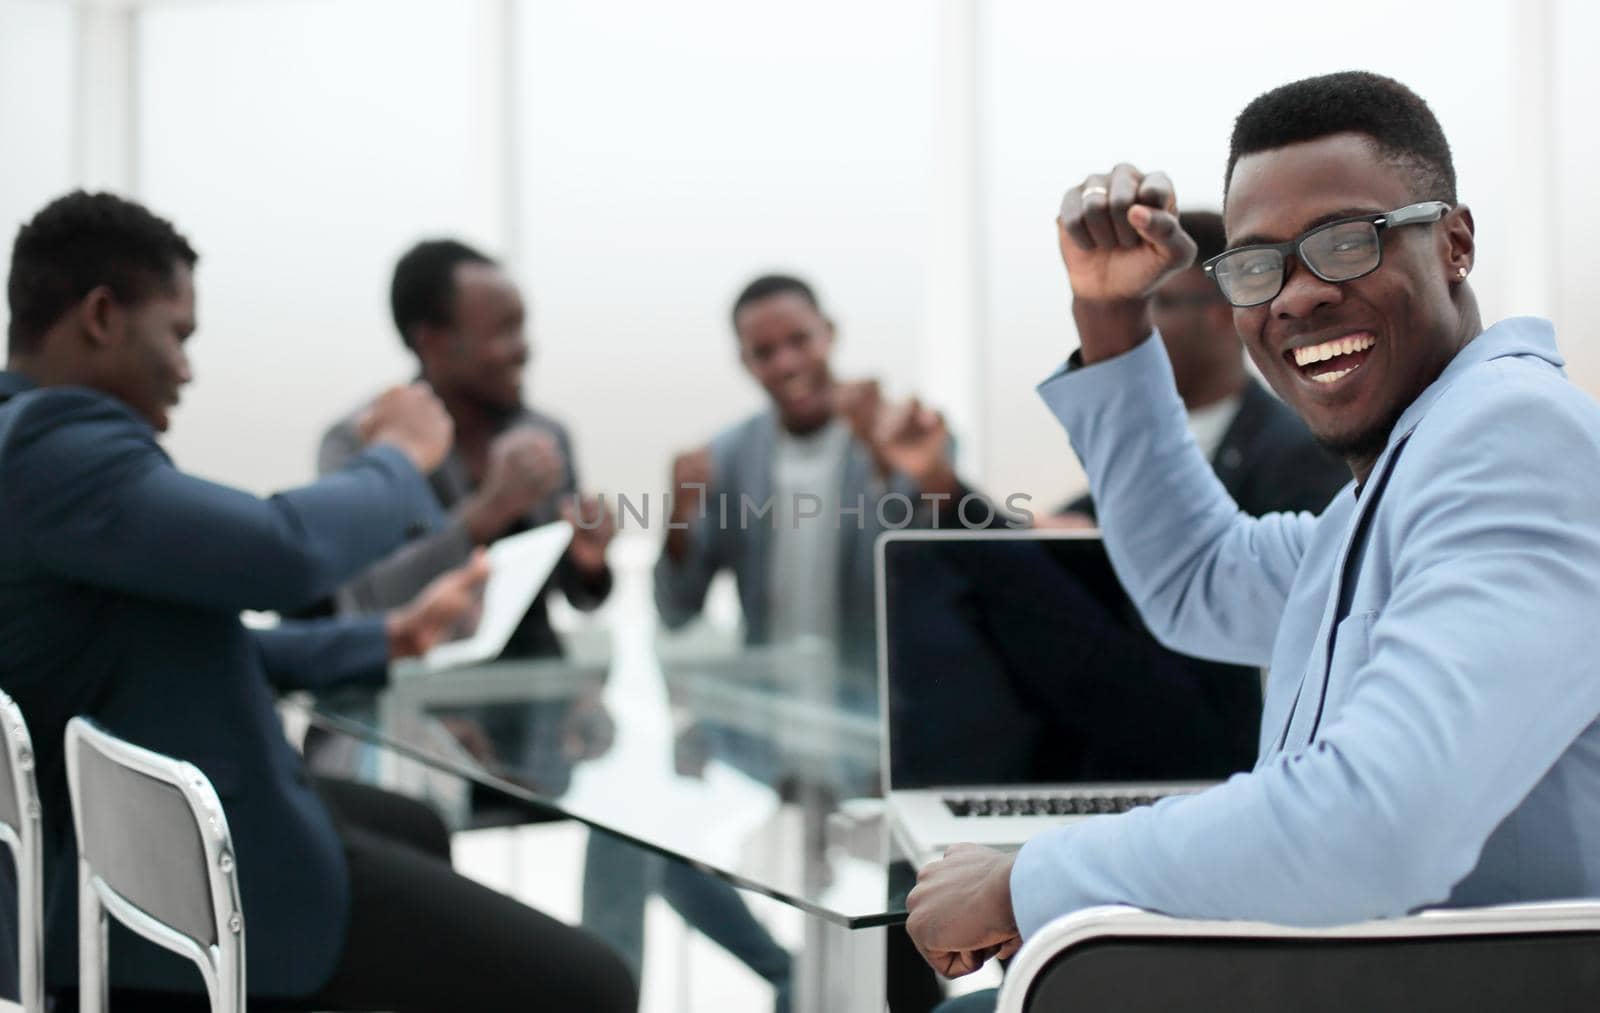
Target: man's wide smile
<point>1329,362</point>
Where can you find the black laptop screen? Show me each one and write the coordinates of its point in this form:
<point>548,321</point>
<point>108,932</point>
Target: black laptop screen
<point>1016,661</point>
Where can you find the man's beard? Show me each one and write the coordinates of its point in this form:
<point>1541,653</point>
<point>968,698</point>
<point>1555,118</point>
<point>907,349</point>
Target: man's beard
<point>1366,444</point>
<point>499,411</point>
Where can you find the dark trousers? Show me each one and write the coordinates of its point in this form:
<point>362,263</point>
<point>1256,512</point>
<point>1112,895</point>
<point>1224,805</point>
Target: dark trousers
<point>424,939</point>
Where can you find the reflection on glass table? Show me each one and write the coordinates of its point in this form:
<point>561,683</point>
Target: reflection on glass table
<point>752,766</point>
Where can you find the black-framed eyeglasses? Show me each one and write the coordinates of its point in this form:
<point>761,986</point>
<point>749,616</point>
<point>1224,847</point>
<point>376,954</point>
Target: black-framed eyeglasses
<point>1344,250</point>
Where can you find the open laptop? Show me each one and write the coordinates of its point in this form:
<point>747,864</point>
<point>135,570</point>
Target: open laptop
<point>1020,691</point>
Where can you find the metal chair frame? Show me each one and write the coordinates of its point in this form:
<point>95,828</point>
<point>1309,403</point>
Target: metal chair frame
<point>1118,922</point>
<point>26,845</point>
<point>222,965</point>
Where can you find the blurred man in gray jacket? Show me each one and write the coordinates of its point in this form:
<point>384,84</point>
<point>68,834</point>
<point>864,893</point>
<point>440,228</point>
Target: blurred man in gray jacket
<point>835,466</point>
<point>792,500</point>
<point>511,467</point>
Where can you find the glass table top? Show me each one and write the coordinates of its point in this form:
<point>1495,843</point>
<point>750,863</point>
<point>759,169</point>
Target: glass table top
<point>759,766</point>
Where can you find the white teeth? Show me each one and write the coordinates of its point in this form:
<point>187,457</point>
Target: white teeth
<point>1328,349</point>
<point>1335,375</point>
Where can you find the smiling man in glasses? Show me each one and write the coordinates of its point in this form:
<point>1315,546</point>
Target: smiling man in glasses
<point>1429,735</point>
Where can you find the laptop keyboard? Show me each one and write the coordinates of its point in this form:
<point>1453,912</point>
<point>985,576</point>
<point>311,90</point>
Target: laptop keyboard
<point>1044,805</point>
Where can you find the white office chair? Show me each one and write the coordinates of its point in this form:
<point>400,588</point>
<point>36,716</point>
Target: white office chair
<point>1542,957</point>
<point>154,852</point>
<point>20,832</point>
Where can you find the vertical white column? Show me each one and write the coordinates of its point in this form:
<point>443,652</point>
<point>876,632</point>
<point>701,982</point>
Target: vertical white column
<point>499,114</point>
<point>1577,90</point>
<point>951,368</point>
<point>105,127</point>
<point>511,182</point>
<point>1530,263</point>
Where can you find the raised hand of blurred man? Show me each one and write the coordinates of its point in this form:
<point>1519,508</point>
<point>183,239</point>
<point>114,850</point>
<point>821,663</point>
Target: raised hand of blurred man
<point>524,467</point>
<point>691,483</point>
<point>593,527</point>
<point>912,439</point>
<point>412,419</point>
<point>860,404</point>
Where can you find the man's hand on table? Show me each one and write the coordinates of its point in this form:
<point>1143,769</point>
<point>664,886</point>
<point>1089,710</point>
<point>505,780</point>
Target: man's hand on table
<point>961,910</point>
<point>1120,239</point>
<point>444,608</point>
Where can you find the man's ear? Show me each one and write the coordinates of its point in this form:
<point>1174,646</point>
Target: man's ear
<point>1461,242</point>
<point>429,341</point>
<point>101,316</point>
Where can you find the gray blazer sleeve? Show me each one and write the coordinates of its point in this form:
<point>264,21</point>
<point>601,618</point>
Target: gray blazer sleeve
<point>397,578</point>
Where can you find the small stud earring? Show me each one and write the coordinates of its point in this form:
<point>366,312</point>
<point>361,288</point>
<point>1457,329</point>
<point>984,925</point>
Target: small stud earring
<point>1461,272</point>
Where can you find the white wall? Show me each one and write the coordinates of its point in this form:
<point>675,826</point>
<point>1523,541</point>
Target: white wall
<point>1575,212</point>
<point>672,155</point>
<point>665,153</point>
<point>668,157</point>
<point>302,145</point>
<point>1074,89</point>
<point>36,96</point>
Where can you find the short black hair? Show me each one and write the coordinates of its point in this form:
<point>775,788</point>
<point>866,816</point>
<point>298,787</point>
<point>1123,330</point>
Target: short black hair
<point>424,286</point>
<point>1400,124</point>
<point>77,243</point>
<point>769,285</point>
<point>1205,228</point>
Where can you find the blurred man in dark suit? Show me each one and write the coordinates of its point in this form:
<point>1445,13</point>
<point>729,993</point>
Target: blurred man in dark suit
<point>121,584</point>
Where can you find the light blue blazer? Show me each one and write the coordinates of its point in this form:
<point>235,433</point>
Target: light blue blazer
<point>1440,746</point>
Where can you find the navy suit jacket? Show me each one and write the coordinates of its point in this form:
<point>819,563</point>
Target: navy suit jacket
<point>121,584</point>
